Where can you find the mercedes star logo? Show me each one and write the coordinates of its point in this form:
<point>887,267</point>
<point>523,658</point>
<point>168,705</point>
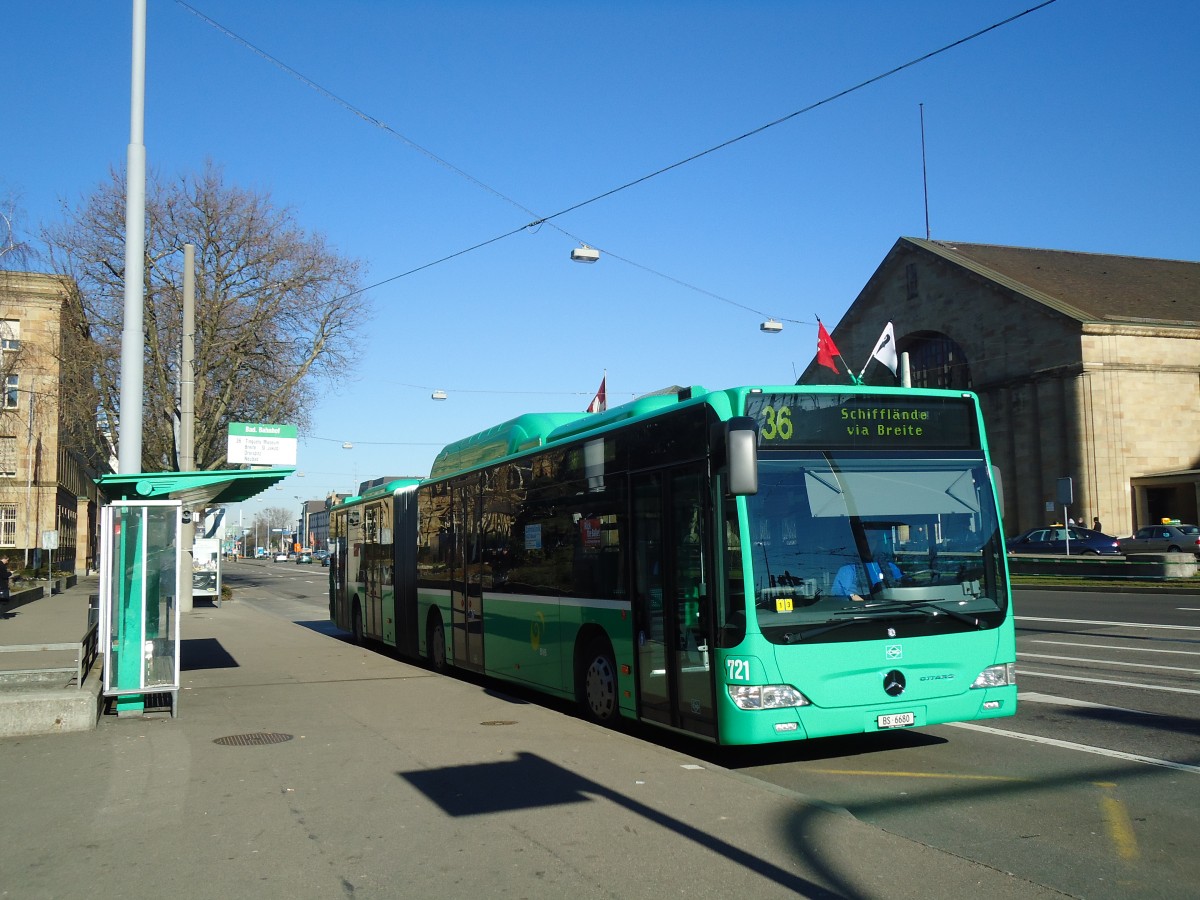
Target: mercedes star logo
<point>893,683</point>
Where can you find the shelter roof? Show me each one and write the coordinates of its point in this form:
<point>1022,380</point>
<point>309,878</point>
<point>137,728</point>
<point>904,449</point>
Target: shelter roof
<point>195,489</point>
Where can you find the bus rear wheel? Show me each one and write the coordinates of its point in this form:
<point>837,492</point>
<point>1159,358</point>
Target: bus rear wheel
<point>597,682</point>
<point>356,624</point>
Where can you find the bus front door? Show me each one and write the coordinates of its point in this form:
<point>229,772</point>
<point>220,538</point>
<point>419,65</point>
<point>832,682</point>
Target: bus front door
<point>672,608</point>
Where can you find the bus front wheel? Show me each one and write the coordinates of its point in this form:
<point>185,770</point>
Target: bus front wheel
<point>597,684</point>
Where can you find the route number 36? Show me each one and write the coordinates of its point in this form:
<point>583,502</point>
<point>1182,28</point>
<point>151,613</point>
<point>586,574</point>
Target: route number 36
<point>777,423</point>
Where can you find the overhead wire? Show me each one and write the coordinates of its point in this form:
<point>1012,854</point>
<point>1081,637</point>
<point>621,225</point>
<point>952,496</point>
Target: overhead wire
<point>537,221</point>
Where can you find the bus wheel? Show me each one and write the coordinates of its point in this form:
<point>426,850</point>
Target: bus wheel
<point>435,643</point>
<point>356,625</point>
<point>597,682</point>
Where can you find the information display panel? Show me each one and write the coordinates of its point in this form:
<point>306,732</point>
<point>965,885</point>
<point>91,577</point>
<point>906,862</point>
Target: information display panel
<point>863,422</point>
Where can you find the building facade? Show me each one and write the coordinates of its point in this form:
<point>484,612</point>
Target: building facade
<point>1087,366</point>
<point>47,489</point>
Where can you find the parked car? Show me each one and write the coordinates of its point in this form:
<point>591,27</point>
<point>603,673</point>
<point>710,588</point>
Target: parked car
<point>1054,540</point>
<point>304,558</point>
<point>1174,537</point>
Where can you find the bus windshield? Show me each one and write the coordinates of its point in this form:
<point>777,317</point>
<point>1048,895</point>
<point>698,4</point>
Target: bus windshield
<point>841,539</point>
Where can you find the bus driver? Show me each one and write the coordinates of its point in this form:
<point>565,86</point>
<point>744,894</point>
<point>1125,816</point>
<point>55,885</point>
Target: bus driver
<point>858,579</point>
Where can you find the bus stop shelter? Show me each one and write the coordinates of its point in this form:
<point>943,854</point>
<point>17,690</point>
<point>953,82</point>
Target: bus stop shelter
<point>141,552</point>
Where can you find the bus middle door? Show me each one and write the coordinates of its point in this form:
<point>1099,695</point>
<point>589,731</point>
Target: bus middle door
<point>466,594</point>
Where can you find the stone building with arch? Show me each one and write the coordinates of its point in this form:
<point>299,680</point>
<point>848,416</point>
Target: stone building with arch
<point>1086,365</point>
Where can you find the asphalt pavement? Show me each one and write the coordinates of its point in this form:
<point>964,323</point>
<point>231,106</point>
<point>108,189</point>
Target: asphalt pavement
<point>302,766</point>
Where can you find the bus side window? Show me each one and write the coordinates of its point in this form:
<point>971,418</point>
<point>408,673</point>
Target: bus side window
<point>731,614</point>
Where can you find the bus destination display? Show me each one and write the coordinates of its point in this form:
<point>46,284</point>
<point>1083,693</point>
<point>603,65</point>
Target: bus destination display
<point>862,422</point>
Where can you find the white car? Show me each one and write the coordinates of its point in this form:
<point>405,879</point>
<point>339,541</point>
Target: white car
<point>280,557</point>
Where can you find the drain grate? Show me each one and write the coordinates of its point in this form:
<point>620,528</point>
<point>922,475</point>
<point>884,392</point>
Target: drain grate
<point>258,739</point>
<point>499,722</point>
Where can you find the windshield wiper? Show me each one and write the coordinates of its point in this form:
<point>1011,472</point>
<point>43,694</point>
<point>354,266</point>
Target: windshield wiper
<point>834,624</point>
<point>929,607</point>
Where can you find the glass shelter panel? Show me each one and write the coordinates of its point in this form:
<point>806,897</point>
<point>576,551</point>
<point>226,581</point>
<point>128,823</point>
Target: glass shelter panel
<point>160,659</point>
<point>140,556</point>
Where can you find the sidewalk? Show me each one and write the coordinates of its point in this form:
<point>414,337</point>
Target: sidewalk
<point>302,766</point>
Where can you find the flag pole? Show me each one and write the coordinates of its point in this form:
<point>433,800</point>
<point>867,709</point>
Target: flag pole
<point>837,354</point>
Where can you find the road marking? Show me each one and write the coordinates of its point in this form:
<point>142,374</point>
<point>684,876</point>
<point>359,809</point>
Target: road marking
<point>1100,622</point>
<point>1035,697</point>
<point>1107,662</point>
<point>1081,748</point>
<point>1120,828</point>
<point>952,776</point>
<point>1123,648</point>
<point>1108,681</point>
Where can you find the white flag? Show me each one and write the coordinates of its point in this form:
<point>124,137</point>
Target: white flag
<point>885,351</point>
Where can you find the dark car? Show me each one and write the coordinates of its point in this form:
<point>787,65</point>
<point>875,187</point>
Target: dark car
<point>1055,540</point>
<point>1173,537</point>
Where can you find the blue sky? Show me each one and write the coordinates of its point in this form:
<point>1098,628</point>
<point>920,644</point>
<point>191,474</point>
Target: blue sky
<point>1074,127</point>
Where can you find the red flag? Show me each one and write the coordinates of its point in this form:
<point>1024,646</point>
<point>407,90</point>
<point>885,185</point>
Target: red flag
<point>826,348</point>
<point>600,401</point>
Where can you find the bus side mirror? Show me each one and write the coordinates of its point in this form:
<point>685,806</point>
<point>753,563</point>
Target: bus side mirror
<point>741,451</point>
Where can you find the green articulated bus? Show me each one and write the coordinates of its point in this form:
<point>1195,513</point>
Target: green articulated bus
<point>750,565</point>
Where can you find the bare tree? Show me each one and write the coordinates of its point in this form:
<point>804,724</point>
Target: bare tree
<point>15,252</point>
<point>15,256</point>
<point>267,524</point>
<point>277,312</point>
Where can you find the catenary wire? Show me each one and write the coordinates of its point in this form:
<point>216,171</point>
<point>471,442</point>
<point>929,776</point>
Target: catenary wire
<point>627,185</point>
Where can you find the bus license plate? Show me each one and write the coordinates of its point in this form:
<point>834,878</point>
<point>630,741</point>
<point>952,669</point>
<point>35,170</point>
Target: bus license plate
<point>896,720</point>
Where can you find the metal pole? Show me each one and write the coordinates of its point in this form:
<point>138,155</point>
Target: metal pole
<point>187,420</point>
<point>129,451</point>
<point>924,172</point>
<point>187,364</point>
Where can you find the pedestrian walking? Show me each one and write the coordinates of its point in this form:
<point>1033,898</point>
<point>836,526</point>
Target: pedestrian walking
<point>5,575</point>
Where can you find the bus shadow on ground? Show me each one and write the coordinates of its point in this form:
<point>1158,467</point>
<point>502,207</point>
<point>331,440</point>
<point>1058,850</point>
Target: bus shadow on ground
<point>810,750</point>
<point>327,628</point>
<point>480,789</point>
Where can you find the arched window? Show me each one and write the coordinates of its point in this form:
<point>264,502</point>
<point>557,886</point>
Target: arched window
<point>936,361</point>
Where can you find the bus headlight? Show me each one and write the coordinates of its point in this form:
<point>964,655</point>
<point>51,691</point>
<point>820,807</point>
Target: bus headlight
<point>766,696</point>
<point>1003,675</point>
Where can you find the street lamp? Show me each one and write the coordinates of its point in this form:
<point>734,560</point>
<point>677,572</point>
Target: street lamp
<point>347,445</point>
